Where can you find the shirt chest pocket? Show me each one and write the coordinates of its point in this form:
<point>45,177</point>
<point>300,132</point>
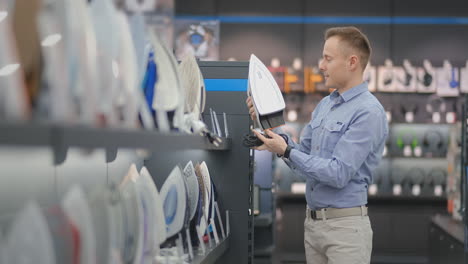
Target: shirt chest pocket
<point>315,128</point>
<point>312,134</point>
<point>333,130</point>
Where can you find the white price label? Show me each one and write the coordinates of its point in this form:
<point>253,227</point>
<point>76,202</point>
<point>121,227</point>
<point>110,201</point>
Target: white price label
<point>409,117</point>
<point>418,151</point>
<point>397,189</point>
<point>389,116</point>
<point>407,151</point>
<point>416,190</point>
<point>450,117</point>
<point>436,117</point>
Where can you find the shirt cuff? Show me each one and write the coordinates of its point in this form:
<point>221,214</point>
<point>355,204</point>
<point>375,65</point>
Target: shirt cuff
<point>293,154</point>
<point>291,159</point>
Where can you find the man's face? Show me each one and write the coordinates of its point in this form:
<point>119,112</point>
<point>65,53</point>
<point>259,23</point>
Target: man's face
<point>334,63</point>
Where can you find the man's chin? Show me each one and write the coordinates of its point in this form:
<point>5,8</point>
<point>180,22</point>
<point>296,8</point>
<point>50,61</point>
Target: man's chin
<point>330,86</point>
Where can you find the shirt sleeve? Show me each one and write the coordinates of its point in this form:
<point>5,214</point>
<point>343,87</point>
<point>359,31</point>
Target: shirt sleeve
<point>305,140</point>
<point>304,145</point>
<point>364,135</point>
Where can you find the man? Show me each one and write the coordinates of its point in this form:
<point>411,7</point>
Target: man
<point>339,150</point>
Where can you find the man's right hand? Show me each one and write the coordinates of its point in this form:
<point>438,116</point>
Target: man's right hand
<point>250,105</point>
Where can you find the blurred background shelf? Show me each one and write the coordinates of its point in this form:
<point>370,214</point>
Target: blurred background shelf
<point>299,197</point>
<point>263,220</point>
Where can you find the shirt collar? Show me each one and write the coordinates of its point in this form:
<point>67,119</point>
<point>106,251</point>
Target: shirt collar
<point>351,93</point>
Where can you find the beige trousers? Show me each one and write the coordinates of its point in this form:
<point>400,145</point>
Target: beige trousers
<point>345,240</point>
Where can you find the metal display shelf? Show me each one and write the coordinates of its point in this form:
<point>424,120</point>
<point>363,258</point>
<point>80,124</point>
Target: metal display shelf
<point>299,197</point>
<point>213,253</point>
<point>230,163</point>
<point>265,251</point>
<point>61,137</point>
<point>25,134</point>
<point>413,157</point>
<point>263,220</point>
<point>452,227</point>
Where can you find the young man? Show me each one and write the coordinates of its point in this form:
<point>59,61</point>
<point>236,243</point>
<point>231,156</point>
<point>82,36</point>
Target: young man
<point>339,150</point>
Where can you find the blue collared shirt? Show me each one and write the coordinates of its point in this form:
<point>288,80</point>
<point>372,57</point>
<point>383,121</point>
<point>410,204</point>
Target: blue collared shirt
<point>340,148</point>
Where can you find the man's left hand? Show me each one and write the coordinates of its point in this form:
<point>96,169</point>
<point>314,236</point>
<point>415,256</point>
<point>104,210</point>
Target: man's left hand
<point>275,144</point>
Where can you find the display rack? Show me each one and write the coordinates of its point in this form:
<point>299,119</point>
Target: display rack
<point>230,163</point>
<point>61,137</point>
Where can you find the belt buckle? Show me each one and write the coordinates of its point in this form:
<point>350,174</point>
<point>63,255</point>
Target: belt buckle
<point>313,214</point>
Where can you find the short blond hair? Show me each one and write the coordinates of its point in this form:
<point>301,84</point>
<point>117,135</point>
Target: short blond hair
<point>355,39</point>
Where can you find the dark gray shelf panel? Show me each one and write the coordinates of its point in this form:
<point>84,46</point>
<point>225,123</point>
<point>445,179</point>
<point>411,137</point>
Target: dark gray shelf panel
<point>263,220</point>
<point>424,123</point>
<point>452,227</point>
<point>28,134</point>
<point>405,198</point>
<point>297,197</point>
<point>121,138</point>
<point>413,157</point>
<point>224,70</point>
<point>264,252</point>
<point>387,259</point>
<point>213,254</point>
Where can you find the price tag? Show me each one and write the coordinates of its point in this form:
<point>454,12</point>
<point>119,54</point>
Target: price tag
<point>450,117</point>
<point>438,190</point>
<point>373,189</point>
<point>418,151</point>
<point>436,117</point>
<point>409,117</point>
<point>396,189</point>
<point>407,151</point>
<point>416,190</point>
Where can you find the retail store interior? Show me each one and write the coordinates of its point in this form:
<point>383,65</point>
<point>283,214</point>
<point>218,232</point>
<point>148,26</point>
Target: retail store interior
<point>122,126</point>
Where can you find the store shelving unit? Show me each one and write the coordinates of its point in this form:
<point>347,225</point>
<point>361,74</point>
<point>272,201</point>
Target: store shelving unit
<point>230,164</point>
<point>61,137</point>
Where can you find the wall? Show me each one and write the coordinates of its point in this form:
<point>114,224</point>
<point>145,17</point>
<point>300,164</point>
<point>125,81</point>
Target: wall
<point>288,40</point>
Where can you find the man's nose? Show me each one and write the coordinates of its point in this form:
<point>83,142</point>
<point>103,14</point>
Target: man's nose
<point>321,65</point>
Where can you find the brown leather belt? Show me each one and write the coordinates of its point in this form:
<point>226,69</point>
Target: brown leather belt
<point>330,213</point>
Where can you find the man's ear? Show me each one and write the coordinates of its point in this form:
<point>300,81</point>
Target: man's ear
<point>353,62</point>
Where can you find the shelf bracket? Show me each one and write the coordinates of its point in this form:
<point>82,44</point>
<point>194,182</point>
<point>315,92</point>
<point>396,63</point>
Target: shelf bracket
<point>111,154</point>
<point>59,149</point>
